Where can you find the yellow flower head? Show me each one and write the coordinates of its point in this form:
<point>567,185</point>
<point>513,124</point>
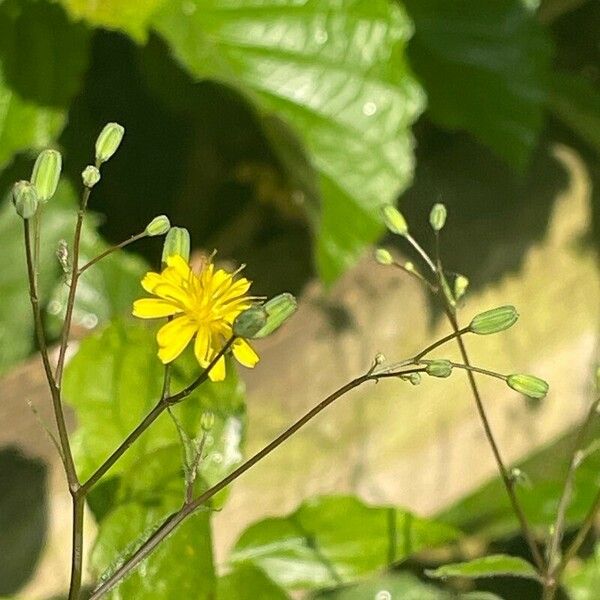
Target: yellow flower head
<point>203,306</point>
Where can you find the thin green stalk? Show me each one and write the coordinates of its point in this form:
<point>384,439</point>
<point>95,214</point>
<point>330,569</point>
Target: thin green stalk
<point>108,251</point>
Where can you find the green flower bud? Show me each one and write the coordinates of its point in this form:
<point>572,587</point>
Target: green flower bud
<point>379,358</point>
<point>177,242</point>
<point>410,267</point>
<point>383,257</point>
<point>279,309</point>
<point>90,176</point>
<point>494,320</point>
<point>158,226</point>
<point>415,378</point>
<point>248,323</point>
<point>461,283</point>
<point>394,220</point>
<point>439,368</point>
<point>25,199</point>
<point>108,141</point>
<point>46,173</point>
<point>207,421</point>
<point>437,216</point>
<point>528,385</point>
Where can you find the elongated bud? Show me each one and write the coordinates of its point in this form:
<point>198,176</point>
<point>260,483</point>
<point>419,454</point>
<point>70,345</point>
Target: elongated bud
<point>25,199</point>
<point>528,385</point>
<point>108,141</point>
<point>279,309</point>
<point>177,242</point>
<point>207,421</point>
<point>248,323</point>
<point>394,220</point>
<point>46,174</point>
<point>494,320</point>
<point>439,368</point>
<point>461,283</point>
<point>90,176</point>
<point>437,216</point>
<point>383,257</point>
<point>158,226</point>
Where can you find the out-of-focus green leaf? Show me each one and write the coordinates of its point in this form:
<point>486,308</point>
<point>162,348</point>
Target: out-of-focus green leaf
<point>337,75</point>
<point>116,378</point>
<point>497,565</point>
<point>583,582</point>
<point>333,540</point>
<point>576,102</point>
<point>129,16</point>
<point>248,583</point>
<point>180,567</point>
<point>485,69</point>
<point>23,518</point>
<point>42,60</point>
<point>487,511</point>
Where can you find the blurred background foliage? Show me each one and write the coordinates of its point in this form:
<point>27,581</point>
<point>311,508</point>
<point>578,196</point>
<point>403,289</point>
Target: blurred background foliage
<point>274,130</point>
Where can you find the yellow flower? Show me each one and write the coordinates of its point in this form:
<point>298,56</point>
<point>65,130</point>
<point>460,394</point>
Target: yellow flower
<point>203,306</point>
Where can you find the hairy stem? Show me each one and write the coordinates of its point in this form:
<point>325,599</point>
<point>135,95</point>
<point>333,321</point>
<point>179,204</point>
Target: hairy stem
<point>189,507</point>
<point>77,545</point>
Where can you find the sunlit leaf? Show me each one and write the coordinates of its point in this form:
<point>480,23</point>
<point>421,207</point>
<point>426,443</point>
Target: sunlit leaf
<point>335,539</point>
<point>497,565</point>
<point>485,70</point>
<point>338,76</point>
<point>248,583</point>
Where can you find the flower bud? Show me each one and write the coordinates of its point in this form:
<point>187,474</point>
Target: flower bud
<point>379,358</point>
<point>177,242</point>
<point>494,320</point>
<point>248,323</point>
<point>62,254</point>
<point>437,216</point>
<point>158,226</point>
<point>461,283</point>
<point>25,199</point>
<point>279,309</point>
<point>108,141</point>
<point>394,220</point>
<point>90,176</point>
<point>383,257</point>
<point>439,368</point>
<point>46,173</point>
<point>415,378</point>
<point>410,266</point>
<point>528,385</point>
<point>207,421</point>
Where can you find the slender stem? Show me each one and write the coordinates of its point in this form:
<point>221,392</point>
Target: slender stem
<point>37,237</point>
<point>471,368</point>
<point>54,390</point>
<point>417,276</point>
<point>439,343</point>
<point>162,405</point>
<point>506,478</point>
<point>64,342</point>
<point>93,261</point>
<point>559,524</point>
<point>189,487</point>
<point>422,252</point>
<point>189,507</point>
<point>77,546</point>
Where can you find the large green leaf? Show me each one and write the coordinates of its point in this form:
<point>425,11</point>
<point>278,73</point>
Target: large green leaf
<point>337,75</point>
<point>335,539</point>
<point>248,583</point>
<point>182,565</point>
<point>497,565</point>
<point>42,60</point>
<point>116,378</point>
<point>485,69</point>
<point>129,16</point>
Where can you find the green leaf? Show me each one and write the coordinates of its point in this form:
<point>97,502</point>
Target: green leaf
<point>338,77</point>
<point>130,16</point>
<point>497,565</point>
<point>333,540</point>
<point>116,378</point>
<point>37,80</point>
<point>582,583</point>
<point>576,102</point>
<point>485,69</point>
<point>248,583</point>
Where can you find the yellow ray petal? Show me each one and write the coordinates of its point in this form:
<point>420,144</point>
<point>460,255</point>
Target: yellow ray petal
<point>201,346</point>
<point>179,265</point>
<point>217,373</point>
<point>154,308</point>
<point>244,353</point>
<point>179,295</point>
<point>173,337</point>
<point>150,281</point>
